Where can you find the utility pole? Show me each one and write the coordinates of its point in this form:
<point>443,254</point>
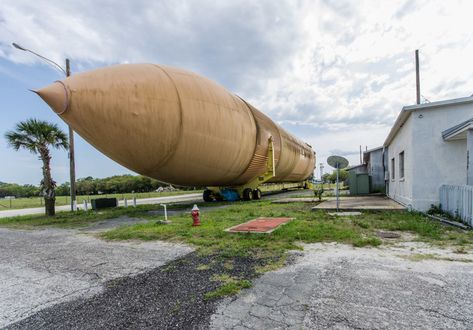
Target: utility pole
<point>417,78</point>
<point>72,170</point>
<point>72,164</point>
<point>321,165</point>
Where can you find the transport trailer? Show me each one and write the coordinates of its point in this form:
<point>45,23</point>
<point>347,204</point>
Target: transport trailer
<point>253,189</point>
<point>247,194</point>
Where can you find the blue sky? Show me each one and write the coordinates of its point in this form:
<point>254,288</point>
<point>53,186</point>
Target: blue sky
<point>333,73</point>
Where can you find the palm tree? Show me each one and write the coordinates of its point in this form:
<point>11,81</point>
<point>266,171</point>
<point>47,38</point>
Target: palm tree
<point>37,136</point>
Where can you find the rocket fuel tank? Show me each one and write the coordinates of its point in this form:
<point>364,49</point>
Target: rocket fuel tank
<point>176,126</point>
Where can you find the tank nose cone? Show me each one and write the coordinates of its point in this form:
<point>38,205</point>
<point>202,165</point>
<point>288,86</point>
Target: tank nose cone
<point>56,96</point>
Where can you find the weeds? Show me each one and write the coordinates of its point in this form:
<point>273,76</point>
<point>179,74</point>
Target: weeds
<point>230,286</point>
<point>368,241</point>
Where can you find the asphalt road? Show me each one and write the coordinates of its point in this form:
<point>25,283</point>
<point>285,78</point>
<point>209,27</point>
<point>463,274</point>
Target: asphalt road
<point>196,197</point>
<point>142,201</point>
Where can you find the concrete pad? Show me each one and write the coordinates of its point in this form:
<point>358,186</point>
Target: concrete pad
<point>345,214</point>
<point>42,268</point>
<point>296,200</point>
<point>368,203</point>
<point>336,286</point>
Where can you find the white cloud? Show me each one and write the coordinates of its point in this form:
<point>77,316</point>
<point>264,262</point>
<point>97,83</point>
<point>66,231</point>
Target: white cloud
<point>343,68</point>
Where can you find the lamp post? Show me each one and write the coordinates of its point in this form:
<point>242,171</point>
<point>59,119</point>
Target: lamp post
<point>72,170</point>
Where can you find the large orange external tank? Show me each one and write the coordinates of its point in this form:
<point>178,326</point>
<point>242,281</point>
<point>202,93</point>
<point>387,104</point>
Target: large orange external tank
<point>176,126</point>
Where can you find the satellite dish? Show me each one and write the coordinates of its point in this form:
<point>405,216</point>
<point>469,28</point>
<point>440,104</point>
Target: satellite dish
<point>337,162</point>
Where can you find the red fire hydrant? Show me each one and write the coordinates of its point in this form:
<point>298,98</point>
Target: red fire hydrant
<point>195,216</point>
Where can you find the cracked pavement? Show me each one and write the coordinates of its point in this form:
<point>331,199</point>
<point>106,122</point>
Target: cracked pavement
<point>334,286</point>
<point>41,268</point>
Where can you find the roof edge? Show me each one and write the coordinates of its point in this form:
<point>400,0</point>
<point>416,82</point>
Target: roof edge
<point>406,111</point>
<point>451,132</point>
<point>438,104</point>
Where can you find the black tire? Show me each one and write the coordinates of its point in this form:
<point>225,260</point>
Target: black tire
<point>247,194</point>
<point>256,194</point>
<point>208,196</point>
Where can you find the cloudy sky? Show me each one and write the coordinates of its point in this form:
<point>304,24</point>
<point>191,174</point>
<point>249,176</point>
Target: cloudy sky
<point>334,73</point>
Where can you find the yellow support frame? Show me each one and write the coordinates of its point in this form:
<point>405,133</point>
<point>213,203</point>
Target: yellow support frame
<point>266,176</point>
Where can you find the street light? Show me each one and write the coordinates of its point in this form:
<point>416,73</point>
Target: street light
<point>72,171</point>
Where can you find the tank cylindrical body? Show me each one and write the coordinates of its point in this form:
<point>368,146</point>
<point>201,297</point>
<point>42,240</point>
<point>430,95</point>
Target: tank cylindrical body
<point>176,126</point>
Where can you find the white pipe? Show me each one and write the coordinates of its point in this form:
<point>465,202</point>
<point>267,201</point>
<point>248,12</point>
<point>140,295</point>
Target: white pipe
<point>165,212</point>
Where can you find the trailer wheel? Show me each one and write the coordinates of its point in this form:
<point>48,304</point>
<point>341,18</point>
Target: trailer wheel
<point>256,194</point>
<point>247,194</point>
<point>208,195</point>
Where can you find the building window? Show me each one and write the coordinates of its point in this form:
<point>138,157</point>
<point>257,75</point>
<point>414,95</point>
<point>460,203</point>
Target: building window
<point>393,169</point>
<point>401,165</point>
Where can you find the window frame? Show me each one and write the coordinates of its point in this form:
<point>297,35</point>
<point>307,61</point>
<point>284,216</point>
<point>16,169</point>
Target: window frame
<point>402,163</point>
<point>393,168</point>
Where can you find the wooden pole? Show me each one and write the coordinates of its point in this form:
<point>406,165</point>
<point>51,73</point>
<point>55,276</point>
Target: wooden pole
<point>417,78</point>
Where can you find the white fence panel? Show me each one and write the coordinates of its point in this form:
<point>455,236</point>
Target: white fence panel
<point>458,201</point>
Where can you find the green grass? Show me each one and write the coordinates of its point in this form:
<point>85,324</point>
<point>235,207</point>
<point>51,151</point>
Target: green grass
<point>367,241</point>
<point>210,237</point>
<point>229,286</point>
<point>308,227</point>
<point>80,218</point>
<point>68,219</point>
<point>269,249</point>
<point>401,221</point>
<point>21,203</point>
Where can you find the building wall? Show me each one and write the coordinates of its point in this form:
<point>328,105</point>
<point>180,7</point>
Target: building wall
<point>437,162</point>
<point>429,161</point>
<point>359,169</point>
<point>400,189</point>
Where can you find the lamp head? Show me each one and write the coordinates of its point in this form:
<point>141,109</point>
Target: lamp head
<point>18,46</point>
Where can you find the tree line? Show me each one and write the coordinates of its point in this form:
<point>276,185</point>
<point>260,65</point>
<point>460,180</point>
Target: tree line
<point>88,186</point>
<point>13,189</point>
<point>111,185</point>
<point>332,177</point>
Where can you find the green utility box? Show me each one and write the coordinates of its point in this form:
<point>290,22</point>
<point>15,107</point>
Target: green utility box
<point>359,183</point>
<point>102,203</point>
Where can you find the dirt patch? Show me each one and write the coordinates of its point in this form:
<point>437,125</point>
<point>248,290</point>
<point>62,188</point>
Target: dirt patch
<point>388,234</point>
<point>112,223</point>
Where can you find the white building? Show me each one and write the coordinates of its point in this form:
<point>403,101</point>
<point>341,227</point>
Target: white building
<point>430,145</point>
